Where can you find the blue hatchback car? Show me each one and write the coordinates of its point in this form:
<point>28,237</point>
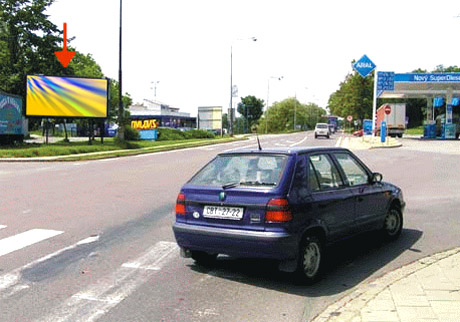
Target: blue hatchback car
<point>283,204</point>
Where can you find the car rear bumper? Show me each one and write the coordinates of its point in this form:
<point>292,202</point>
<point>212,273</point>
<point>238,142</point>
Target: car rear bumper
<point>239,243</point>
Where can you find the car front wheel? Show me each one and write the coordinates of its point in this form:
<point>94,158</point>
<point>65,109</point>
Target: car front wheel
<point>393,223</point>
<point>310,260</point>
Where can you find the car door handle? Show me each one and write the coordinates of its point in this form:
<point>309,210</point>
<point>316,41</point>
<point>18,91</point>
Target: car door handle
<point>322,205</point>
<point>360,199</point>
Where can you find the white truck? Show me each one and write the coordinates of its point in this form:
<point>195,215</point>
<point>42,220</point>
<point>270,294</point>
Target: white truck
<point>395,119</point>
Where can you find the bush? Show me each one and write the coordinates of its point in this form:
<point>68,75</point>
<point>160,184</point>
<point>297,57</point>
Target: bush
<point>199,134</point>
<point>166,134</point>
<point>131,134</point>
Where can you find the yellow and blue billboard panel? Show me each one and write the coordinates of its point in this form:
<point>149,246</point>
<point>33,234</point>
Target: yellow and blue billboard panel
<point>52,96</point>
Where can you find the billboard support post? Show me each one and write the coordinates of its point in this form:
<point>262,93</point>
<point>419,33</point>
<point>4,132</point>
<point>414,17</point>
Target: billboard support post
<point>65,132</point>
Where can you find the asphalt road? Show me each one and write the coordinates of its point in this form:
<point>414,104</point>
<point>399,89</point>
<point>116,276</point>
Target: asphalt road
<point>87,241</point>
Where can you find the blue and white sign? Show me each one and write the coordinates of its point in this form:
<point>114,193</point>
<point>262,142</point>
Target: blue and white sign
<point>385,82</point>
<point>364,66</point>
<point>367,127</point>
<point>428,78</point>
<point>150,135</point>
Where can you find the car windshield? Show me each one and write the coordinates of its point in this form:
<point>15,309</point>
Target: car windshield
<point>227,171</point>
<point>321,126</point>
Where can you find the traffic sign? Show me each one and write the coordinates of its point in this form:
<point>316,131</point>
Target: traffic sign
<point>349,118</point>
<point>385,82</point>
<point>387,109</point>
<point>364,66</point>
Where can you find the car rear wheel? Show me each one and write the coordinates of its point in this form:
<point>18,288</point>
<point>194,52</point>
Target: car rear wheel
<point>310,260</point>
<point>393,223</point>
<point>203,258</point>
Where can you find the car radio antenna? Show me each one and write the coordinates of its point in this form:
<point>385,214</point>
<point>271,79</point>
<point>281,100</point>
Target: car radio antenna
<point>258,142</point>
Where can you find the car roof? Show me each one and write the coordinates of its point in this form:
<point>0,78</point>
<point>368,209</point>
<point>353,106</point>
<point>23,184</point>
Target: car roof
<point>287,150</point>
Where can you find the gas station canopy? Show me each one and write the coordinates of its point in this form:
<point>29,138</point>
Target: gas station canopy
<point>436,88</point>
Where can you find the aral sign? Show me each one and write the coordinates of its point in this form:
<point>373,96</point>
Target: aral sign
<point>364,66</point>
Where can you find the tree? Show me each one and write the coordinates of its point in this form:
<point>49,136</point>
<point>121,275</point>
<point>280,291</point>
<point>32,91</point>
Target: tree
<point>251,109</point>
<point>28,41</point>
<point>354,97</point>
<point>280,116</point>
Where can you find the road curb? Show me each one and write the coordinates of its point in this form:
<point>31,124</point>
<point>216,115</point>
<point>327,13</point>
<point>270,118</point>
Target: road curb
<point>348,308</point>
<point>361,144</point>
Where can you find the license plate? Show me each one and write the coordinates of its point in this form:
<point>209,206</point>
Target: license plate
<point>233,213</point>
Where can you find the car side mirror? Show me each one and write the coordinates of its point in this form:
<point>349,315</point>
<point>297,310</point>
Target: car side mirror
<point>376,177</point>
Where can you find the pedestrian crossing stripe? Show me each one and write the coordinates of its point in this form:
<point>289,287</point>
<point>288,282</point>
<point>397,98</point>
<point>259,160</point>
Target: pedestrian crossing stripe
<point>22,240</point>
<point>2,226</point>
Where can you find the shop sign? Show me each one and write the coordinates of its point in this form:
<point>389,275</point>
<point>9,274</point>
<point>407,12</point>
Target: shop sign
<point>144,124</point>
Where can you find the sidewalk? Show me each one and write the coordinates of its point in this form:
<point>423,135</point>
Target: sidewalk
<point>366,142</point>
<point>426,290</point>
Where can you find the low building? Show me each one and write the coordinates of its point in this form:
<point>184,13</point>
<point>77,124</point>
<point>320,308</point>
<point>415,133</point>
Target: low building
<point>165,115</point>
<point>210,118</point>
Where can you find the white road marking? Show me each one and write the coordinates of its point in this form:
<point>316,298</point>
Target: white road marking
<point>10,282</point>
<point>106,160</point>
<point>339,141</point>
<point>154,258</point>
<point>88,240</point>
<point>16,242</point>
<point>2,226</point>
<point>100,298</point>
<point>297,143</point>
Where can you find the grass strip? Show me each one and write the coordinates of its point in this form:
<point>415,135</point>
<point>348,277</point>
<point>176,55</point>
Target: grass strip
<point>82,151</point>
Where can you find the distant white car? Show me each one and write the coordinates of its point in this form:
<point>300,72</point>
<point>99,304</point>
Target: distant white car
<point>322,129</point>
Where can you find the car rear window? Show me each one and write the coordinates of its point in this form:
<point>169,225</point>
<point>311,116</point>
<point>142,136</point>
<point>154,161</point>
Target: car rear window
<point>321,126</point>
<point>260,170</point>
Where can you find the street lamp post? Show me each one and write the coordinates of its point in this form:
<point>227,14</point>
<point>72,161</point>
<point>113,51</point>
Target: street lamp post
<point>268,96</point>
<point>231,83</point>
<point>295,107</point>
<point>154,88</point>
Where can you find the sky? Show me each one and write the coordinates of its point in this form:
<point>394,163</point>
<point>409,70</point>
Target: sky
<point>185,45</point>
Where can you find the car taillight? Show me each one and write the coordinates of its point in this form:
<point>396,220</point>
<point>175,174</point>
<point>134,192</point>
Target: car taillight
<point>278,211</point>
<point>180,204</point>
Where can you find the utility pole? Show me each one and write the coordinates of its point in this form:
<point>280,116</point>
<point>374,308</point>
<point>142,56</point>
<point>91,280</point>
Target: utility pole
<point>121,132</point>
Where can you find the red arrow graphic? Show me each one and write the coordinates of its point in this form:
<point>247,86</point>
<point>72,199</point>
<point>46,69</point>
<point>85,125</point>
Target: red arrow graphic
<point>65,56</point>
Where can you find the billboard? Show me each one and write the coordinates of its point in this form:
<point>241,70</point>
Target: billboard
<point>52,96</point>
<point>11,120</point>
